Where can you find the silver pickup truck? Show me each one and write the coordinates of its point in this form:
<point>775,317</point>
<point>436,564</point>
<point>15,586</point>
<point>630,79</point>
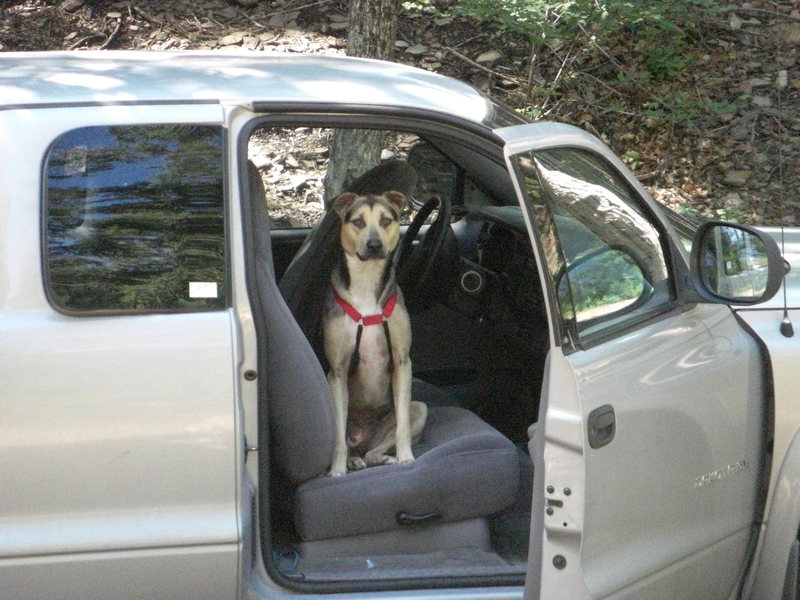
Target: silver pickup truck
<point>611,406</point>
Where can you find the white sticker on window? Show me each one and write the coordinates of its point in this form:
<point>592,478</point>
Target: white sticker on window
<point>203,289</point>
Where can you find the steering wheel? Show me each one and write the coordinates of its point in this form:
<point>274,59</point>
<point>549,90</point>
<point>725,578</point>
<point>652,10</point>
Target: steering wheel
<point>419,269</point>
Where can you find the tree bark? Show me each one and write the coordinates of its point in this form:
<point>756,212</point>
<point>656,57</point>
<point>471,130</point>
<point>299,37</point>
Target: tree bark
<point>373,28</point>
<point>372,33</point>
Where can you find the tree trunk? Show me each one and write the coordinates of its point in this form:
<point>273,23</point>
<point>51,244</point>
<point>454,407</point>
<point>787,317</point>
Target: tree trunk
<point>372,33</point>
<point>373,28</point>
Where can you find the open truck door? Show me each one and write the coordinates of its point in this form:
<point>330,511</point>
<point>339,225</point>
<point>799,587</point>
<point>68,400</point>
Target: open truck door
<point>651,437</point>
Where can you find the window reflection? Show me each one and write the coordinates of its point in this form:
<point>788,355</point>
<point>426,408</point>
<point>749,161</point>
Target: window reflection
<point>606,257</point>
<point>135,218</point>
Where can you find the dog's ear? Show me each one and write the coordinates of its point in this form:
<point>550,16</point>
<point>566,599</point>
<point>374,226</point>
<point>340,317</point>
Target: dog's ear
<point>396,199</point>
<point>343,202</point>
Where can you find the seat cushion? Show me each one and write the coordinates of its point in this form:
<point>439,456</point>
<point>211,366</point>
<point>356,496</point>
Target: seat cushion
<point>464,468</point>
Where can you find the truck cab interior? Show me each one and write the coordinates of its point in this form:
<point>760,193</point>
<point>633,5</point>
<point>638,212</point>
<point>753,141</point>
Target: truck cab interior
<point>462,509</point>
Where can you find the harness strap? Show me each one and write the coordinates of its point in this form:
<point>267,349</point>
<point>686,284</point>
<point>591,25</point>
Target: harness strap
<point>390,366</point>
<point>351,311</point>
<point>355,357</point>
<point>361,320</point>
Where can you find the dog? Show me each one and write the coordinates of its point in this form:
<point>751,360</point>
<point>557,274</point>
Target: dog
<point>367,337</point>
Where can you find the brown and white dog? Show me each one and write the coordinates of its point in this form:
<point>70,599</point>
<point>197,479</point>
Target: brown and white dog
<point>367,336</point>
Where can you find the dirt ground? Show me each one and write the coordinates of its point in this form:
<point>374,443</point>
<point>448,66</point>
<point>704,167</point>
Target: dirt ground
<point>729,147</point>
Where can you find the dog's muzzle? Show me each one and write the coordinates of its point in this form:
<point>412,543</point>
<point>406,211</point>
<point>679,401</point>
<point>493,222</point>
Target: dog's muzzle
<point>372,249</point>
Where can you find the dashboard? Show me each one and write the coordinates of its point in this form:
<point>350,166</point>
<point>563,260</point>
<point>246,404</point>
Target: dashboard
<point>499,280</point>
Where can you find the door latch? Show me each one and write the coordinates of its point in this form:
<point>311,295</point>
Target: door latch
<point>602,426</point>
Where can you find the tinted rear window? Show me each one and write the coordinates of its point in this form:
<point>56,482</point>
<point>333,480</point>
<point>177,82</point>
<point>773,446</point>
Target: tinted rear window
<point>135,219</point>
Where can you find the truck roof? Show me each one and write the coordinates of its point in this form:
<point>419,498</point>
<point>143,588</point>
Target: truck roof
<point>44,79</point>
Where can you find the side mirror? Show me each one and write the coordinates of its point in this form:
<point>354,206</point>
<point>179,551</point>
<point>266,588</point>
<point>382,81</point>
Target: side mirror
<point>735,264</point>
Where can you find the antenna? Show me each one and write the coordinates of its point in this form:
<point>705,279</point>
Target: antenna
<point>787,330</point>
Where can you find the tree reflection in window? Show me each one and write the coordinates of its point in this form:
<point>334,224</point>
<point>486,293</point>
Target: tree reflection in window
<point>135,219</point>
<point>604,252</point>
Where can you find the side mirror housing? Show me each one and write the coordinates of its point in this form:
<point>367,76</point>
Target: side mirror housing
<point>735,264</point>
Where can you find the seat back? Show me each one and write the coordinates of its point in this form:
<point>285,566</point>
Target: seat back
<point>298,401</point>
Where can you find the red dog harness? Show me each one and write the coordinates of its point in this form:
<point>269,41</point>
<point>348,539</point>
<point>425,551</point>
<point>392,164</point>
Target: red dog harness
<point>381,318</point>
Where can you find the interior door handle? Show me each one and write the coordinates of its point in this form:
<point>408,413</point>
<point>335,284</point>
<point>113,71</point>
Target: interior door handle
<point>602,426</point>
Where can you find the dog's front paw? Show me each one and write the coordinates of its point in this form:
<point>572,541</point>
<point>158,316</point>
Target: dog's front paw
<point>338,468</point>
<point>374,460</point>
<point>405,458</point>
<point>356,463</point>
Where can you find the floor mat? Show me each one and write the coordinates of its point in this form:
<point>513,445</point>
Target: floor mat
<point>452,562</point>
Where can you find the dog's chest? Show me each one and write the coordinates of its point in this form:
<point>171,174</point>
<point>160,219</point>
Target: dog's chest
<point>370,385</point>
<point>373,350</point>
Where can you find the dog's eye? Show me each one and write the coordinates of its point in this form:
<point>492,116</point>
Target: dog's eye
<point>359,222</point>
<point>386,221</point>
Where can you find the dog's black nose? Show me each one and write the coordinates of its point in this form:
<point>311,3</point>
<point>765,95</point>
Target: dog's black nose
<point>374,244</point>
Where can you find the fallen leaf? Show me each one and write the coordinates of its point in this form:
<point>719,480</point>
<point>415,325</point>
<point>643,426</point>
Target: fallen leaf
<point>489,57</point>
<point>70,5</point>
<point>417,50</point>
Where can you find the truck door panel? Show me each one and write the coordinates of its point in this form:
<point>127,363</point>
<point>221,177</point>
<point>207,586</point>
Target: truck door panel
<point>118,421</point>
<point>653,431</point>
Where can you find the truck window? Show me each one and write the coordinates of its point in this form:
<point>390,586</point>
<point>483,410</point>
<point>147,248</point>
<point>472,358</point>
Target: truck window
<point>612,271</point>
<point>134,219</point>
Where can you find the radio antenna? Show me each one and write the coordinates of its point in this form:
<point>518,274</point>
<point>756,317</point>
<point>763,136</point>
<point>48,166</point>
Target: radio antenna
<point>787,330</point>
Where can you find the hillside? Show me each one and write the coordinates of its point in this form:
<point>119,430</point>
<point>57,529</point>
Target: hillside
<point>707,117</point>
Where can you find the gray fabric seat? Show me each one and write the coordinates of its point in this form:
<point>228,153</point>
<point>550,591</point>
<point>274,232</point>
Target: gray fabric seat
<point>464,467</point>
